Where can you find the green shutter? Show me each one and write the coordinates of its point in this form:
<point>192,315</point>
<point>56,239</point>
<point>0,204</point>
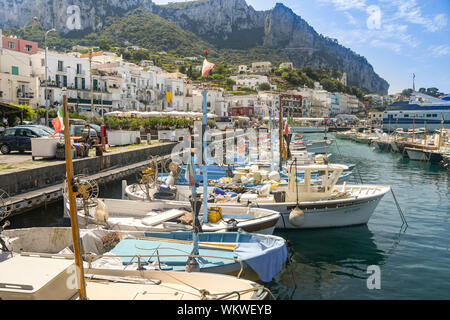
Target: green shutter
<point>15,70</point>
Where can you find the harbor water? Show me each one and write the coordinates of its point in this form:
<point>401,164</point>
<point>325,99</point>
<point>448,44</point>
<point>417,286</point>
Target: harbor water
<point>333,263</point>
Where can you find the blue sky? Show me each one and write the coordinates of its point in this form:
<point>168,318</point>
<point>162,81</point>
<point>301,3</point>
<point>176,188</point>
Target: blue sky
<point>398,37</point>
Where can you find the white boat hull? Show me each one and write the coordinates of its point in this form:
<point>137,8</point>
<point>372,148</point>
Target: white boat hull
<point>326,213</point>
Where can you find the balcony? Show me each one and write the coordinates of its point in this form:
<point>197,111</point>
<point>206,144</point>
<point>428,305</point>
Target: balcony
<point>62,70</point>
<point>24,95</point>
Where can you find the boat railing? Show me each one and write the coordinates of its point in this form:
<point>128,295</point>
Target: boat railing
<point>359,190</point>
<point>89,257</point>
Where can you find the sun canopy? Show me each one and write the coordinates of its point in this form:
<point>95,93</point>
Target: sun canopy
<point>158,114</point>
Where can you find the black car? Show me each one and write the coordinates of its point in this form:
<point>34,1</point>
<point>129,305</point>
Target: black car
<point>19,138</point>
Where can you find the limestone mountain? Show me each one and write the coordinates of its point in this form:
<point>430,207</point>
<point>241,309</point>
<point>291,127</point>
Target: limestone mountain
<point>230,29</point>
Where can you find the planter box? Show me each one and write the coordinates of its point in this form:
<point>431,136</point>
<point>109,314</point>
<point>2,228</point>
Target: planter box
<point>44,147</point>
<point>122,137</point>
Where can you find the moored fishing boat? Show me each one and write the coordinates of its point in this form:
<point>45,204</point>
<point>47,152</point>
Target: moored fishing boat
<point>322,202</point>
<point>166,215</point>
<point>249,256</point>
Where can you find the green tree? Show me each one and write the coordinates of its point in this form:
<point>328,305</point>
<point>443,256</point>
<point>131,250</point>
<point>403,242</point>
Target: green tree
<point>264,86</point>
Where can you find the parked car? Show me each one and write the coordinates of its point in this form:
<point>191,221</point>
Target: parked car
<point>44,128</point>
<point>19,138</point>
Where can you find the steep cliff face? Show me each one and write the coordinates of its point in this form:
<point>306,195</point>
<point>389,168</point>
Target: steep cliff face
<point>304,46</point>
<point>234,24</point>
<point>226,24</point>
<point>63,14</point>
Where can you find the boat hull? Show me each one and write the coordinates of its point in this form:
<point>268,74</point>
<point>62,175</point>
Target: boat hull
<point>320,214</point>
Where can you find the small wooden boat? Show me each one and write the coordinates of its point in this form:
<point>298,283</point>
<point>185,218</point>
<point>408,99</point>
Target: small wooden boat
<point>250,256</point>
<point>166,216</point>
<point>52,277</point>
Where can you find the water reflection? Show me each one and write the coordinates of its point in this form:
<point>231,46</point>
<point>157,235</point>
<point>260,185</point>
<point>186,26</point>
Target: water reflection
<point>324,257</point>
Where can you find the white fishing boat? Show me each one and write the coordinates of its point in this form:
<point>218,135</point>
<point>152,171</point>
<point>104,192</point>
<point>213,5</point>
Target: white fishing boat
<point>166,216</point>
<point>321,202</point>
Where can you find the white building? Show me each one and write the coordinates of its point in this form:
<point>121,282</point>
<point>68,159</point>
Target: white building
<point>18,83</point>
<point>262,67</point>
<point>70,72</point>
<point>242,68</point>
<point>251,81</point>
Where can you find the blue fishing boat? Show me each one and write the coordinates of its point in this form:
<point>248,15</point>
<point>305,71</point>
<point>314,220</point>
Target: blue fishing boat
<point>251,256</point>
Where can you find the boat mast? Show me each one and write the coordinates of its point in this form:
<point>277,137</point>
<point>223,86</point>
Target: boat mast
<point>280,122</point>
<point>205,171</point>
<point>271,140</point>
<point>442,129</point>
<point>414,127</point>
<point>73,212</point>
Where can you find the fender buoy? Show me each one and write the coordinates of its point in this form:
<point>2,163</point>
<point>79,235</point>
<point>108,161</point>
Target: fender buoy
<point>297,217</point>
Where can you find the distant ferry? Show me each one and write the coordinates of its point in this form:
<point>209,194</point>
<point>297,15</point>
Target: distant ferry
<point>421,109</point>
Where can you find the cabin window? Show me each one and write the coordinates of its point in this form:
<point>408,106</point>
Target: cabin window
<point>434,115</point>
<point>406,115</point>
<point>428,115</point>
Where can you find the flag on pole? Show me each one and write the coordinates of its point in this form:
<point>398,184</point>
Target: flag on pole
<point>58,122</point>
<point>189,175</point>
<point>207,67</point>
<point>286,129</point>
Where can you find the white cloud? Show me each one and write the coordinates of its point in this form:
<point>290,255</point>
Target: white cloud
<point>439,51</point>
<point>343,5</point>
<point>411,12</point>
<point>394,46</point>
<point>350,19</point>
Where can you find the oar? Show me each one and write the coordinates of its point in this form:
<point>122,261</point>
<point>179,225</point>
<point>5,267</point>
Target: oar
<point>215,245</point>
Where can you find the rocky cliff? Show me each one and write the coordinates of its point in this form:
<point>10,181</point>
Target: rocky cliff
<point>63,14</point>
<point>234,24</point>
<point>227,24</point>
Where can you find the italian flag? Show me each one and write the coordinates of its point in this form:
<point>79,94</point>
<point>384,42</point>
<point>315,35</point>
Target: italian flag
<point>58,122</point>
<point>207,67</point>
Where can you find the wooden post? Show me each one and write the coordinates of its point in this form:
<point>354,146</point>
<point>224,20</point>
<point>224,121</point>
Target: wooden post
<point>73,212</point>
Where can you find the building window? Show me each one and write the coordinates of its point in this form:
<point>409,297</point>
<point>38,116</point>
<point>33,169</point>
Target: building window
<point>83,83</point>
<point>28,48</point>
<point>79,68</point>
<point>15,70</point>
<point>11,45</point>
<point>60,66</point>
<point>42,62</point>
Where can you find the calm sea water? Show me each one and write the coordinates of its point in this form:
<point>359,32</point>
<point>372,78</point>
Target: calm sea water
<point>332,263</point>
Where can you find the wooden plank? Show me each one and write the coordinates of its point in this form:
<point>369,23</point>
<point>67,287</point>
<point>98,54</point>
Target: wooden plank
<point>162,217</point>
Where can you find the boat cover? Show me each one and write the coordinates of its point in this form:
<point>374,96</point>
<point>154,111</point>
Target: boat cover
<point>266,256</point>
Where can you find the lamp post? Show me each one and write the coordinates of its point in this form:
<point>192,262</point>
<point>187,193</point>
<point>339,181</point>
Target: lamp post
<point>46,67</point>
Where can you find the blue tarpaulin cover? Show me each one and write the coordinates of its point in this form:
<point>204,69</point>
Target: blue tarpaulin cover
<point>265,256</point>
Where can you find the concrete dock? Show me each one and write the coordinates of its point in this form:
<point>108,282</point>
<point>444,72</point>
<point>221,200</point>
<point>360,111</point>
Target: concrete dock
<point>41,183</point>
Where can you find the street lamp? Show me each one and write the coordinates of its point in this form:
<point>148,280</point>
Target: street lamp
<point>46,67</point>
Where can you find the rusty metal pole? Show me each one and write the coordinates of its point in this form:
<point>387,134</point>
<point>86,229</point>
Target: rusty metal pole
<point>73,212</point>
